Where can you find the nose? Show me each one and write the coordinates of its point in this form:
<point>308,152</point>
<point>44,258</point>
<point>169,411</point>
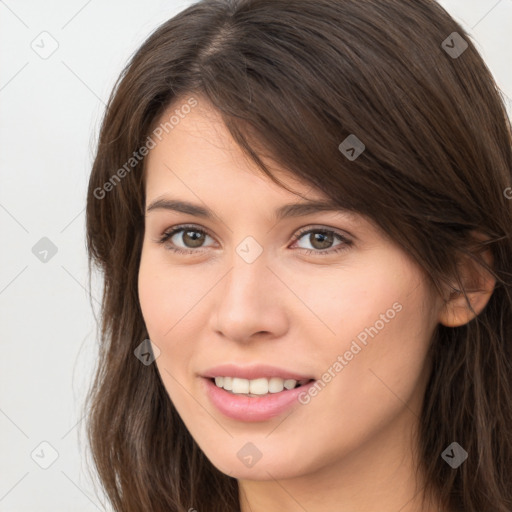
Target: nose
<point>250,302</point>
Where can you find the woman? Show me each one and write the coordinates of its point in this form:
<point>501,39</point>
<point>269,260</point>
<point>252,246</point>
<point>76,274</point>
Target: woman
<point>300,212</point>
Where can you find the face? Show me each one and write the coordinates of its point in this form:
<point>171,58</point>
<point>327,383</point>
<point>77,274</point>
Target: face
<point>323,295</point>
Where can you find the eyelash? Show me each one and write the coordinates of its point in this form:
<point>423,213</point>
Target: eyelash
<point>346,243</point>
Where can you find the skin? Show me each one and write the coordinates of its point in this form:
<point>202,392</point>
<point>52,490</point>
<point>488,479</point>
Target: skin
<point>352,447</point>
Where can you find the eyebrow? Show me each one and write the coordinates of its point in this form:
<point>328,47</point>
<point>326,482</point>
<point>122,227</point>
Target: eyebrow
<point>285,211</point>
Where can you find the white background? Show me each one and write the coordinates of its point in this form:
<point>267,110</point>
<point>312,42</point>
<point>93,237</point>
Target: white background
<point>49,119</point>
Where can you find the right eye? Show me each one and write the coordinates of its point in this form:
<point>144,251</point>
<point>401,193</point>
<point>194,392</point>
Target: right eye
<point>187,234</point>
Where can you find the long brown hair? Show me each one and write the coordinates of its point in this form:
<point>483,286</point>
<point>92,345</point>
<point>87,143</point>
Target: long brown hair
<point>292,80</point>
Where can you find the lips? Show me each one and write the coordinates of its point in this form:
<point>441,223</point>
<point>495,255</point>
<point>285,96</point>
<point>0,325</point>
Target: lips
<point>253,409</point>
<point>254,371</point>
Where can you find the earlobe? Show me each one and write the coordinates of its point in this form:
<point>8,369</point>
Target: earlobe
<point>457,311</point>
<point>478,286</point>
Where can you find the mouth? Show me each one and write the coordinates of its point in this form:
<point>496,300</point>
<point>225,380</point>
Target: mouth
<point>260,399</point>
<point>257,387</point>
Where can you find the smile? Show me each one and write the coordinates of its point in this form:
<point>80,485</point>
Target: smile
<point>249,407</point>
<point>257,387</point>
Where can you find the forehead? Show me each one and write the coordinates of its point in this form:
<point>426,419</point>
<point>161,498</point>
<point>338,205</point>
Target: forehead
<point>197,153</point>
<point>197,168</point>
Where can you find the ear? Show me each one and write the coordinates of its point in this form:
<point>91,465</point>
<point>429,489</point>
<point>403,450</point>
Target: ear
<point>478,285</point>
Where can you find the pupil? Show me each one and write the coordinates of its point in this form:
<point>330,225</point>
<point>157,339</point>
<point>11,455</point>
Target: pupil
<point>196,242</point>
<point>325,240</point>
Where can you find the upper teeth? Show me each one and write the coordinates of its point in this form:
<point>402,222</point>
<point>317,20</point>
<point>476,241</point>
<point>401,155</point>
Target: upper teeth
<point>260,386</point>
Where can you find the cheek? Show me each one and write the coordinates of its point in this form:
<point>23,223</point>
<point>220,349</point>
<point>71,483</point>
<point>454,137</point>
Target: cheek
<point>165,293</point>
<point>381,321</point>
<point>160,306</point>
<point>383,298</point>
<point>170,298</point>
<point>384,335</point>
<point>152,297</point>
<point>350,300</point>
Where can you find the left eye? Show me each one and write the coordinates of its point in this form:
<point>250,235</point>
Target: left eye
<point>192,238</point>
<point>194,235</point>
<point>321,239</point>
